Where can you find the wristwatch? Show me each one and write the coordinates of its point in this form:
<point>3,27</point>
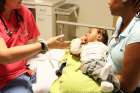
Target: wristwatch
<point>44,46</point>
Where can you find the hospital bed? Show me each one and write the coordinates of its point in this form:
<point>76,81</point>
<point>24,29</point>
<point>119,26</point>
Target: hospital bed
<point>46,65</point>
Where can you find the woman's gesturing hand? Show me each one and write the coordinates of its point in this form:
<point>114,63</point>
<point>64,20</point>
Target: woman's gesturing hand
<point>57,42</point>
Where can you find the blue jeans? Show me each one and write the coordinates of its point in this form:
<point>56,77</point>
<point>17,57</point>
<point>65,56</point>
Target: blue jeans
<point>22,84</point>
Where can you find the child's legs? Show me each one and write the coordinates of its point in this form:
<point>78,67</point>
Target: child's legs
<point>93,68</point>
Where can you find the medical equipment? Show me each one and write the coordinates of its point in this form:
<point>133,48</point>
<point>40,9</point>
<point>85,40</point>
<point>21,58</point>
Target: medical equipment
<point>67,12</point>
<point>44,13</point>
<point>9,33</point>
<point>18,19</point>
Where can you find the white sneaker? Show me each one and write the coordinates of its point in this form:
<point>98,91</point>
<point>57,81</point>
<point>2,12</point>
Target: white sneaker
<point>106,86</point>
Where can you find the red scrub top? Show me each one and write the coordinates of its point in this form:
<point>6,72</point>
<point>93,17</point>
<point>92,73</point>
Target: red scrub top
<point>26,30</point>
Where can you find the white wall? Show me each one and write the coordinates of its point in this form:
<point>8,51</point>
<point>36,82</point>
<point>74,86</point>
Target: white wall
<point>94,12</point>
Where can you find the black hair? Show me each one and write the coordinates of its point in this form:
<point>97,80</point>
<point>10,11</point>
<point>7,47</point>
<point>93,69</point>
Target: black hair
<point>18,15</point>
<point>2,3</point>
<point>136,4</point>
<point>104,35</point>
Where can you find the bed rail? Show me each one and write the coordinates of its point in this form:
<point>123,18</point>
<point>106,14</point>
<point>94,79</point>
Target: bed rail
<point>83,25</point>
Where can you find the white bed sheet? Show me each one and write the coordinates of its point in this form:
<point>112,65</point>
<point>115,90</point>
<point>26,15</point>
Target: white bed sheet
<point>45,66</point>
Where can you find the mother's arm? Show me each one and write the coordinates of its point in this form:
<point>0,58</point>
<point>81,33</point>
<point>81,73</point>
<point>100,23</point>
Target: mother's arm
<point>131,68</point>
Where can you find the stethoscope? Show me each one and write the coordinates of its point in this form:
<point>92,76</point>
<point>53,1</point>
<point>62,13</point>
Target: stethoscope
<point>9,33</point>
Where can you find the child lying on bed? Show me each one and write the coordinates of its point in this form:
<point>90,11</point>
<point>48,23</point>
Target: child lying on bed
<point>92,50</point>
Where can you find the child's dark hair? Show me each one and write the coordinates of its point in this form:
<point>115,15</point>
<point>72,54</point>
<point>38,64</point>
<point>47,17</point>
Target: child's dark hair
<point>104,34</point>
<point>2,3</point>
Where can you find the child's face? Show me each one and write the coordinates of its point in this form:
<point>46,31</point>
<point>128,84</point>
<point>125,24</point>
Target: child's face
<point>91,36</point>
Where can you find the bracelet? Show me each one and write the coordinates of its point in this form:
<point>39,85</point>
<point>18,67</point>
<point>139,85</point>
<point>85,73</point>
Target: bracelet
<point>44,47</point>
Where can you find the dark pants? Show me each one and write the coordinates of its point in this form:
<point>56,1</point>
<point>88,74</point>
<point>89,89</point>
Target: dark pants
<point>22,84</point>
<point>137,90</point>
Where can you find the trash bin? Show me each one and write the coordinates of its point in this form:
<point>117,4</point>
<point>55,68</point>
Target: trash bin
<point>67,12</point>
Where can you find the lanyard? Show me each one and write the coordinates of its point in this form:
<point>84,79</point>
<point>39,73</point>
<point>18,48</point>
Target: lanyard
<point>9,33</point>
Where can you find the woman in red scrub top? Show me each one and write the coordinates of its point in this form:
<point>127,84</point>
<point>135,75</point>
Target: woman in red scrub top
<point>17,29</point>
